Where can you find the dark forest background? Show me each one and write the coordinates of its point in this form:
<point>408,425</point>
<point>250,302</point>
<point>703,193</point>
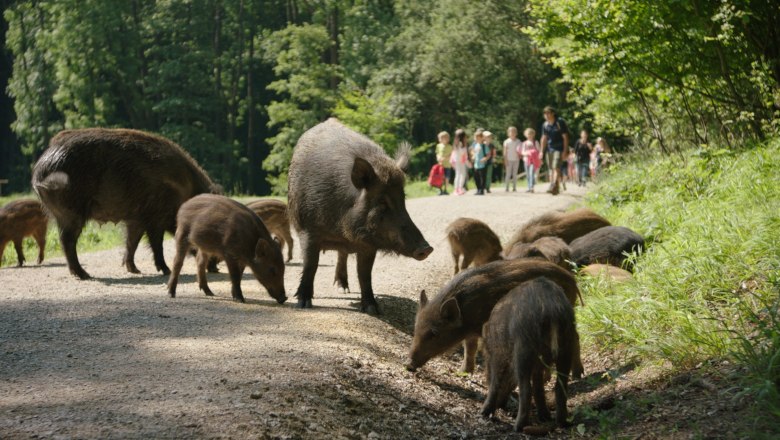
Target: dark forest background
<point>236,82</point>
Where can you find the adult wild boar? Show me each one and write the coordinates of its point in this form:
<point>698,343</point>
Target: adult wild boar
<point>608,245</point>
<point>474,240</point>
<point>346,194</point>
<point>221,227</point>
<point>274,216</point>
<point>21,218</point>
<point>552,249</point>
<point>116,175</point>
<point>529,330</point>
<point>565,225</point>
<point>464,304</point>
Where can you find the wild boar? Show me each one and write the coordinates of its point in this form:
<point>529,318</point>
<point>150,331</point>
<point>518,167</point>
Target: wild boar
<point>116,175</point>
<point>607,245</point>
<point>274,216</point>
<point>221,227</point>
<point>564,225</point>
<point>608,271</point>
<point>529,330</point>
<point>346,194</point>
<point>463,306</point>
<point>19,219</point>
<point>552,249</point>
<point>474,240</point>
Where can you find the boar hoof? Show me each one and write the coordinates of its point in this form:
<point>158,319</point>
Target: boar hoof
<point>239,298</point>
<point>342,290</point>
<point>303,304</point>
<point>81,274</point>
<point>577,372</point>
<point>165,271</point>
<point>371,308</point>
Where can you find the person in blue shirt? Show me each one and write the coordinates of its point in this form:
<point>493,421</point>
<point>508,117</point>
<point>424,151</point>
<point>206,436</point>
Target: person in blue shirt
<point>481,154</point>
<point>555,142</point>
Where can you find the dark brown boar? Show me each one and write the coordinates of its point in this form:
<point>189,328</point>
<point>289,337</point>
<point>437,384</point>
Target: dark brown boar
<point>274,216</point>
<point>19,219</point>
<point>346,194</point>
<point>552,249</point>
<point>463,306</point>
<point>607,245</point>
<point>116,175</point>
<point>530,329</point>
<point>221,227</point>
<point>565,225</point>
<point>474,240</point>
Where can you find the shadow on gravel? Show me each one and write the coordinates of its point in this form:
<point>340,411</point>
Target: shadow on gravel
<point>398,312</point>
<point>597,379</point>
<point>33,266</point>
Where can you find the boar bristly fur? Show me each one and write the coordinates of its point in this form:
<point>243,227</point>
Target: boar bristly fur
<point>552,249</point>
<point>565,225</point>
<point>474,240</point>
<point>346,194</point>
<point>607,245</point>
<point>116,175</point>
<point>274,216</point>
<point>530,329</point>
<point>19,219</point>
<point>217,226</point>
<point>463,305</point>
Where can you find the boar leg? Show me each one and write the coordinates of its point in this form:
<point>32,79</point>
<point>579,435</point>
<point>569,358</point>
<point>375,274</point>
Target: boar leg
<point>562,365</point>
<point>456,259</point>
<point>494,380</point>
<point>202,261</point>
<point>470,347</point>
<point>69,236</point>
<point>40,238</point>
<point>467,258</point>
<point>341,281</point>
<point>156,242</point>
<point>537,384</point>
<point>524,402</point>
<point>288,240</point>
<point>235,269</point>
<point>212,267</point>
<point>577,370</point>
<point>182,248</point>
<point>365,263</point>
<point>19,252</point>
<point>134,233</point>
<point>311,257</point>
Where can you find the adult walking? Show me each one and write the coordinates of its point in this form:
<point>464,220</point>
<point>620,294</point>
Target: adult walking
<point>555,142</point>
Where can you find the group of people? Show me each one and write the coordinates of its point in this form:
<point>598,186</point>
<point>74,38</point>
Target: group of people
<point>453,161</point>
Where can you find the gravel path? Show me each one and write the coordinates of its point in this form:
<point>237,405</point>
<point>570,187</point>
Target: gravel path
<point>114,357</point>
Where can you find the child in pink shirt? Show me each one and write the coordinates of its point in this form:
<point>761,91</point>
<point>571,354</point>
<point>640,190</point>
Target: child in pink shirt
<point>531,158</point>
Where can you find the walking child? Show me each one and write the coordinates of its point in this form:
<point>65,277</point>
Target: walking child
<point>532,160</point>
<point>511,158</point>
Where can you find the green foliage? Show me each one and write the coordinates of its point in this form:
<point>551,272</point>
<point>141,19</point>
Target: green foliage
<point>369,116</point>
<point>305,97</point>
<point>712,226</point>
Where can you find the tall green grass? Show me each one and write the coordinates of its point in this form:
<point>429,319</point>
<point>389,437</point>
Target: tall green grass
<point>707,285</point>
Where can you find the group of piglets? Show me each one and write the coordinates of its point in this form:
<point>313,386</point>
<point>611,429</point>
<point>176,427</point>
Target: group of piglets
<point>519,300</point>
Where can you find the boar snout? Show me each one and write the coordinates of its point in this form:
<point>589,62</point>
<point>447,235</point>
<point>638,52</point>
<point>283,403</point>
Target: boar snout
<point>410,367</point>
<point>280,298</point>
<point>422,253</point>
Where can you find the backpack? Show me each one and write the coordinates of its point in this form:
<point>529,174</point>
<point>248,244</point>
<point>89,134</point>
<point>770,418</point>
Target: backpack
<point>436,176</point>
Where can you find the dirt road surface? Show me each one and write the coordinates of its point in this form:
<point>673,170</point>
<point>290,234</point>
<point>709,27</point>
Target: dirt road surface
<point>114,357</point>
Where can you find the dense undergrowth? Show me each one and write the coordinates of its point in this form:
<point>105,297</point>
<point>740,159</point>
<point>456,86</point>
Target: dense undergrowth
<point>707,285</point>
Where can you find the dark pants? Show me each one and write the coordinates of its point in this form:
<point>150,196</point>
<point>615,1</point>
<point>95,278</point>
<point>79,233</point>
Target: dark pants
<point>449,173</point>
<point>479,176</point>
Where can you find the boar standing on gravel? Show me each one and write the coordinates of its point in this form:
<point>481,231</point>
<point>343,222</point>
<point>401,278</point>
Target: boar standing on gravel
<point>274,216</point>
<point>565,225</point>
<point>529,330</point>
<point>19,219</point>
<point>221,227</point>
<point>463,306</point>
<point>474,240</point>
<point>116,175</point>
<point>552,249</point>
<point>346,194</point>
<point>607,245</point>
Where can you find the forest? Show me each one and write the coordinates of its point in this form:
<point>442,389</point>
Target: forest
<point>236,83</point>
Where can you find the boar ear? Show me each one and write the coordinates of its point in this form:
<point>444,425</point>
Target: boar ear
<point>263,248</point>
<point>402,156</point>
<point>450,310</point>
<point>363,175</point>
<point>423,299</point>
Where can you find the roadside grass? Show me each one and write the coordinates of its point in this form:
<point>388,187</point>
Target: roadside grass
<point>708,284</point>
